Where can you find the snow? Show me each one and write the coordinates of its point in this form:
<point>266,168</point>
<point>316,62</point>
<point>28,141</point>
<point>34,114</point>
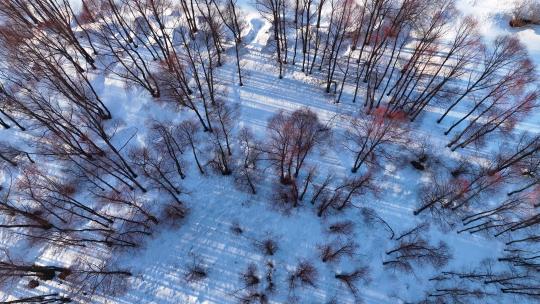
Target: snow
<point>215,202</point>
<point>493,17</point>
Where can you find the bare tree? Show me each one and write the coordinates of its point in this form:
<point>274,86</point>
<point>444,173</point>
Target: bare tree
<point>232,17</point>
<point>51,24</point>
<point>88,278</point>
<point>525,12</point>
<point>188,134</point>
<point>344,14</point>
<point>159,170</point>
<point>118,36</point>
<point>274,12</point>
<point>507,56</point>
<point>371,217</point>
<point>333,252</point>
<point>351,279</point>
<point>221,137</point>
<point>464,286</point>
<point>305,274</point>
<point>168,143</point>
<point>525,148</point>
<point>369,137</point>
<point>250,277</point>
<point>341,197</point>
<point>412,248</point>
<point>52,212</point>
<point>342,228</point>
<point>463,50</point>
<point>291,139</point>
<point>247,175</point>
<point>495,219</point>
<point>83,276</point>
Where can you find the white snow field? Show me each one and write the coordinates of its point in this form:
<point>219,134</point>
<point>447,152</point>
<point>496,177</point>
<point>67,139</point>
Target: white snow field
<point>206,238</point>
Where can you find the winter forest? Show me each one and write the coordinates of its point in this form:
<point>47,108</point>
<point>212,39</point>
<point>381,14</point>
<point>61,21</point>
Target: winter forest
<point>270,151</point>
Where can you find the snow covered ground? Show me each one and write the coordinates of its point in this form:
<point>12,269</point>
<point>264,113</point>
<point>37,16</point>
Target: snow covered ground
<point>494,16</point>
<point>216,204</point>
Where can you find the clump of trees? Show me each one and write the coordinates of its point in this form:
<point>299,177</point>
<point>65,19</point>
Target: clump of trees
<point>525,12</point>
<point>400,58</point>
<point>83,275</point>
<point>353,278</point>
<point>413,248</point>
<point>48,90</point>
<point>363,47</point>
<point>291,140</point>
<point>303,275</point>
<point>369,138</point>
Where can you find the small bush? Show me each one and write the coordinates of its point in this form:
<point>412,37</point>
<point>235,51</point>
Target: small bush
<point>305,274</point>
<point>351,279</point>
<point>250,277</point>
<point>173,214</point>
<point>236,228</point>
<point>268,246</point>
<point>196,273</point>
<point>33,284</point>
<point>344,228</point>
<point>271,286</point>
<point>254,298</point>
<point>334,252</point>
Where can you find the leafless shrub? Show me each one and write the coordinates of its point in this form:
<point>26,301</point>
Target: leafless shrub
<point>101,277</point>
<point>247,175</point>
<point>173,214</point>
<point>460,169</point>
<point>463,286</point>
<point>285,197</point>
<point>236,228</point>
<point>250,278</point>
<point>270,269</point>
<point>291,138</point>
<point>413,248</point>
<point>350,279</point>
<point>254,291</point>
<point>421,154</point>
<point>196,272</point>
<point>254,297</point>
<point>268,246</point>
<point>335,251</point>
<point>371,217</point>
<point>342,227</point>
<point>33,284</point>
<point>305,274</point>
<point>369,137</point>
<point>342,195</point>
